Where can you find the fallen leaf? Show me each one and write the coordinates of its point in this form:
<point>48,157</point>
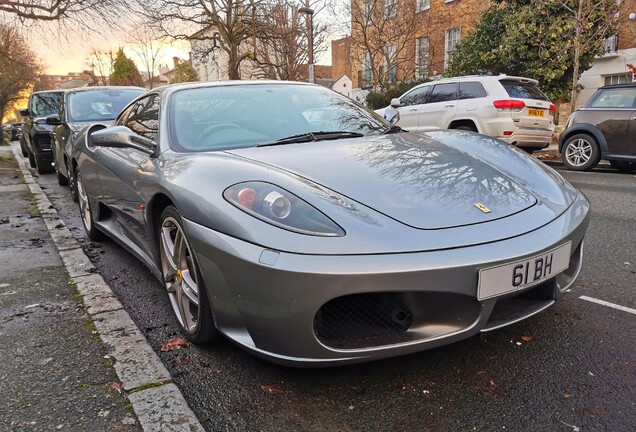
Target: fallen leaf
<point>481,372</point>
<point>183,362</point>
<point>117,386</point>
<point>272,389</point>
<point>173,344</point>
<point>567,395</point>
<point>526,338</point>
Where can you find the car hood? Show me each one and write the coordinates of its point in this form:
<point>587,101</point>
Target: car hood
<point>416,179</point>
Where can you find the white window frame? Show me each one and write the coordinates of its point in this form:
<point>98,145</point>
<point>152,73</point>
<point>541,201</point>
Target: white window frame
<point>422,5</point>
<point>422,56</point>
<point>367,74</point>
<point>623,78</point>
<point>452,37</point>
<point>390,9</point>
<point>367,13</point>
<point>391,70</point>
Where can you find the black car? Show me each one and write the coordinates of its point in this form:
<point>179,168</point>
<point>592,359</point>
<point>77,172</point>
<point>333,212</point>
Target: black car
<point>16,131</point>
<point>79,108</point>
<point>602,129</point>
<point>36,134</point>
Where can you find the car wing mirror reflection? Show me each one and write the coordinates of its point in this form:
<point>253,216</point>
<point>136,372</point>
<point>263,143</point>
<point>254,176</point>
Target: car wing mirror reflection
<point>122,137</point>
<point>392,115</point>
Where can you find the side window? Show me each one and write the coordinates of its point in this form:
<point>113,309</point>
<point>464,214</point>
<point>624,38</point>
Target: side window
<point>121,119</point>
<point>471,90</point>
<point>416,97</point>
<point>443,93</point>
<point>614,98</point>
<point>144,117</point>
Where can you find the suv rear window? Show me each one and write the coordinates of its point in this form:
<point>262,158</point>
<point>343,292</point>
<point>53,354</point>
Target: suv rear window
<point>523,90</point>
<point>45,104</point>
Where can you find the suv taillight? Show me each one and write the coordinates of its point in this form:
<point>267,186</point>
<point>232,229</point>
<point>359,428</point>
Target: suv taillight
<point>509,105</point>
<point>552,110</point>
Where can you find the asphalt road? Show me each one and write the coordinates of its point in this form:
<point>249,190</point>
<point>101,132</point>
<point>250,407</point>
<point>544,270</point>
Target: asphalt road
<point>570,368</point>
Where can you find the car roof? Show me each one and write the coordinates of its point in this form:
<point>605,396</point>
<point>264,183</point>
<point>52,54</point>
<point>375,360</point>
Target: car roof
<point>97,88</point>
<point>191,85</point>
<point>499,77</point>
<point>628,85</point>
<point>48,91</point>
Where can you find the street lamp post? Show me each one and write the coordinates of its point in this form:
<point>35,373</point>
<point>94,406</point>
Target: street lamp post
<point>310,14</point>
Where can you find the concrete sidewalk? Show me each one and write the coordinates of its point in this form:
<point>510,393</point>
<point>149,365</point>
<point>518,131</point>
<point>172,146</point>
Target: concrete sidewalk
<point>72,358</point>
<point>54,372</point>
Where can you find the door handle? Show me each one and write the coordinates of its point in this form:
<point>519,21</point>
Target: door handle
<point>413,109</point>
<point>449,106</point>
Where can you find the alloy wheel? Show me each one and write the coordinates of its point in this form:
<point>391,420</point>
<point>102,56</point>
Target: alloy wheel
<point>180,274</point>
<point>85,209</point>
<point>578,152</point>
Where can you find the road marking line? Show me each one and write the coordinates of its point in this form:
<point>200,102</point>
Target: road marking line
<point>608,304</point>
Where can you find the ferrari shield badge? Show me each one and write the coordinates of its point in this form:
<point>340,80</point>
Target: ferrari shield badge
<point>482,208</point>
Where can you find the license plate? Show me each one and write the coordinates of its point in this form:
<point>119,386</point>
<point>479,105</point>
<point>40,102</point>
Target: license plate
<point>515,276</point>
<point>536,112</point>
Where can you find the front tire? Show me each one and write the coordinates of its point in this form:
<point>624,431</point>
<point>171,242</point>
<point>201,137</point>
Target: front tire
<point>86,211</point>
<point>72,183</point>
<point>183,280</point>
<point>580,152</point>
<point>61,180</point>
<point>31,159</point>
<point>43,166</point>
<point>623,166</point>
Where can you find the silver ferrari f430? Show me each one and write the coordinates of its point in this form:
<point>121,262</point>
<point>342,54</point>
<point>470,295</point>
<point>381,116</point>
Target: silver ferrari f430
<point>310,231</point>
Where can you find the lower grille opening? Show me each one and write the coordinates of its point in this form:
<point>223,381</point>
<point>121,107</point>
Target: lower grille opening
<point>387,318</point>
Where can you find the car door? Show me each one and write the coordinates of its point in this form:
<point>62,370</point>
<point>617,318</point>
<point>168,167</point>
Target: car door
<point>124,171</point>
<point>614,115</point>
<point>439,109</point>
<point>410,105</point>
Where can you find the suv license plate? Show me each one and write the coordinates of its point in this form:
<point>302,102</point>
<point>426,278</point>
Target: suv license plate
<point>536,112</point>
<point>506,278</point>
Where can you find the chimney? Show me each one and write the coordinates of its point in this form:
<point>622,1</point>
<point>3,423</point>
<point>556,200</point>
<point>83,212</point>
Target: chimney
<point>175,60</point>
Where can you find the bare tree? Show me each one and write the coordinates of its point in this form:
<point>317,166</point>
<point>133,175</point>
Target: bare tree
<point>282,38</point>
<point>19,67</point>
<point>100,65</point>
<point>149,47</point>
<point>588,23</point>
<point>231,23</point>
<point>382,38</point>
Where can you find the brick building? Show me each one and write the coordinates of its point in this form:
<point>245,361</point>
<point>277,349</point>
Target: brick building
<point>77,79</point>
<point>341,57</point>
<point>418,37</point>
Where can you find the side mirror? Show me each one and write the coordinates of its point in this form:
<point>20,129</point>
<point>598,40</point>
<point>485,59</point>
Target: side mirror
<point>392,115</point>
<point>395,102</point>
<point>122,137</point>
<point>24,112</point>
<point>53,120</point>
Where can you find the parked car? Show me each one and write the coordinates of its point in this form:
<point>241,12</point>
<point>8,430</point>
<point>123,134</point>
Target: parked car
<point>36,134</point>
<point>79,108</point>
<point>16,131</point>
<point>325,245</point>
<point>512,109</point>
<point>602,129</point>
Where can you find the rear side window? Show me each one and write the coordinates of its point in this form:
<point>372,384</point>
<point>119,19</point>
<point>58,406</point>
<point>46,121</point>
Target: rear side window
<point>614,98</point>
<point>416,97</point>
<point>144,117</point>
<point>523,90</point>
<point>443,93</point>
<point>471,90</point>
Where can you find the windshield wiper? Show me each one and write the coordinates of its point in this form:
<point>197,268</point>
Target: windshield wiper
<point>392,129</point>
<point>312,136</point>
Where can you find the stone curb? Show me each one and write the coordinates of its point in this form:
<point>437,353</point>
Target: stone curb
<point>158,403</point>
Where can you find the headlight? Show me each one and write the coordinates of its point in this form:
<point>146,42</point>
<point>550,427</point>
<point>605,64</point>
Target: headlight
<point>39,127</point>
<point>281,208</point>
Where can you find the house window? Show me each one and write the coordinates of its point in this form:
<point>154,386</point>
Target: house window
<point>390,8</point>
<point>422,5</point>
<point>611,45</point>
<point>421,57</point>
<point>617,79</point>
<point>452,39</point>
<point>367,13</point>
<point>367,75</point>
<point>391,68</point>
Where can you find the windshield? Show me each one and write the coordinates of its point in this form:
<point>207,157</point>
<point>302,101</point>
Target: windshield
<point>102,104</point>
<point>227,117</point>
<point>46,104</point>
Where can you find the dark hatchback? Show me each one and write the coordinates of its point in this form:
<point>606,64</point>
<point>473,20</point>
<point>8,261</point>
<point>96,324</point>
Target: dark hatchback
<point>36,134</point>
<point>605,128</point>
<point>80,108</point>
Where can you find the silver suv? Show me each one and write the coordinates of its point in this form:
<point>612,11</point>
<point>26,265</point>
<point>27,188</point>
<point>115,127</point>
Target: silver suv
<point>509,108</point>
